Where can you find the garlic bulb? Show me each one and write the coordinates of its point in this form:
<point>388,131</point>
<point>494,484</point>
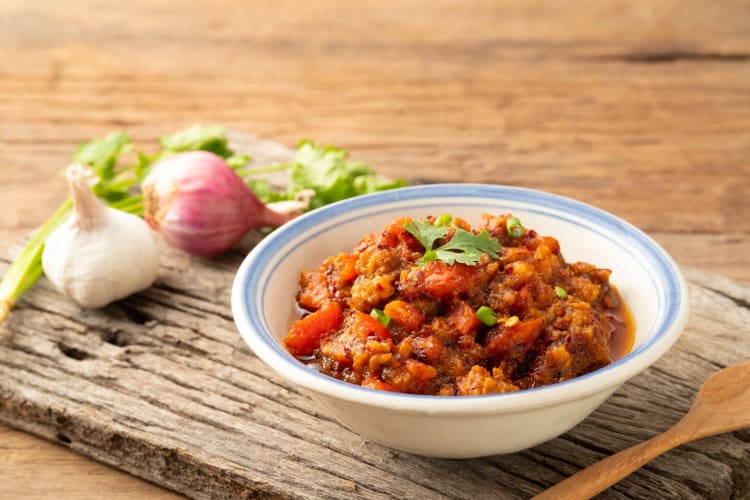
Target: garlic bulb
<point>99,254</point>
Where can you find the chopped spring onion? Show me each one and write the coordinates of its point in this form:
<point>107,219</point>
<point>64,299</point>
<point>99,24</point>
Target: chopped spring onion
<point>561,293</point>
<point>444,220</point>
<point>379,315</point>
<point>515,228</point>
<point>487,316</point>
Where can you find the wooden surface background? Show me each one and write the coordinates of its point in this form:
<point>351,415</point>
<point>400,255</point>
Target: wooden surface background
<point>641,108</point>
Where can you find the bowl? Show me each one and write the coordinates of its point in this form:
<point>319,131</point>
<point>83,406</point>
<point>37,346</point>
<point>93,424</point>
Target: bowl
<point>461,426</point>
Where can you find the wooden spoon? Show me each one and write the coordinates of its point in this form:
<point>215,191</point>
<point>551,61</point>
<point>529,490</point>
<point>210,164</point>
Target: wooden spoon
<point>722,405</point>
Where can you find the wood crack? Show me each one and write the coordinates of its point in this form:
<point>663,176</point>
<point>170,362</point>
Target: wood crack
<point>601,451</point>
<point>668,57</point>
<point>705,359</point>
<point>740,302</point>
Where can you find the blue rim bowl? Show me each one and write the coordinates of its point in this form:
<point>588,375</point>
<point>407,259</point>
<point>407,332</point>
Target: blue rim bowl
<point>647,277</point>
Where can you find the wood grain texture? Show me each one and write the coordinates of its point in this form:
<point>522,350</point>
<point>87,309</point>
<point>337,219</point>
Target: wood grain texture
<point>162,386</point>
<point>36,468</point>
<point>722,405</point>
<point>639,107</point>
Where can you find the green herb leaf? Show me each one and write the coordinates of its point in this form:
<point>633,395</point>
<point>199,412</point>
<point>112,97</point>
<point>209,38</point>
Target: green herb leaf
<point>328,171</point>
<point>561,293</point>
<point>371,183</point>
<point>467,248</point>
<point>427,234</point>
<point>237,161</point>
<point>211,138</point>
<point>266,192</point>
<point>102,154</point>
<point>464,247</point>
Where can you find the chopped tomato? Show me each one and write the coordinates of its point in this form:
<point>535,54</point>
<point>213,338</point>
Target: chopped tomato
<point>348,273</point>
<point>463,318</point>
<point>305,335</point>
<point>521,332</point>
<point>366,326</point>
<point>375,383</point>
<point>427,348</point>
<point>396,234</point>
<point>442,280</point>
<point>405,314</point>
<point>313,290</point>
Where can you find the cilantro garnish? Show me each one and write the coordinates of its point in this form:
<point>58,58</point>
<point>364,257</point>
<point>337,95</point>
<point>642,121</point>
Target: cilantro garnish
<point>332,175</point>
<point>464,247</point>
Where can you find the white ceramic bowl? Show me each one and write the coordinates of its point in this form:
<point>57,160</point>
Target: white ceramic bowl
<point>461,426</point>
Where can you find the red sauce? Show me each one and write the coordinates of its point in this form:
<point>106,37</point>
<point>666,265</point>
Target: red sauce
<point>381,318</point>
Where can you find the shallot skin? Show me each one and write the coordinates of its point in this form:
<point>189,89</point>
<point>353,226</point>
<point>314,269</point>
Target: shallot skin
<point>201,206</point>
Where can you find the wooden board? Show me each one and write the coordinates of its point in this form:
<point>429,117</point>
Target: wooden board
<point>161,385</point>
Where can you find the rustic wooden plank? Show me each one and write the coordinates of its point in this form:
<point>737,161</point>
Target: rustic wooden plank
<point>162,386</point>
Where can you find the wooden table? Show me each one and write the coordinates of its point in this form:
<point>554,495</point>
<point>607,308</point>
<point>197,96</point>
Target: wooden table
<point>640,108</point>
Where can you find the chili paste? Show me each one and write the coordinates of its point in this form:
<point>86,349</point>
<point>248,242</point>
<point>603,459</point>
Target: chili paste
<point>516,316</point>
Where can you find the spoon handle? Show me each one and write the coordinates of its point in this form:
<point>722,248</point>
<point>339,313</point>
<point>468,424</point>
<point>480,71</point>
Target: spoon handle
<point>603,474</point>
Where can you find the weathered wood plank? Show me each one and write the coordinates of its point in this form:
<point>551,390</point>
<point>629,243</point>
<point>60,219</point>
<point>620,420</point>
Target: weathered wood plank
<point>162,386</point>
<point>180,401</point>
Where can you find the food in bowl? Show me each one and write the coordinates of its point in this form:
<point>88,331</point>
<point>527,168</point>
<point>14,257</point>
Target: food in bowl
<point>432,306</point>
<point>468,426</point>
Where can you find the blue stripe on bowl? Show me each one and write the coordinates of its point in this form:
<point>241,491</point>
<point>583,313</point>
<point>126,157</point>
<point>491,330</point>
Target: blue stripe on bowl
<point>276,248</point>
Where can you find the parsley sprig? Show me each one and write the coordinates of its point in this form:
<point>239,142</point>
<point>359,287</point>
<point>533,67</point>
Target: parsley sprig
<point>464,246</point>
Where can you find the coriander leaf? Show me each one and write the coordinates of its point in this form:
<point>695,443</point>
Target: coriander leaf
<point>464,247</point>
<point>470,243</point>
<point>237,161</point>
<point>426,234</point>
<point>328,171</point>
<point>308,153</point>
<point>323,169</point>
<point>371,183</point>
<point>102,154</point>
<point>211,138</point>
<point>266,192</point>
<point>143,166</point>
<point>428,256</point>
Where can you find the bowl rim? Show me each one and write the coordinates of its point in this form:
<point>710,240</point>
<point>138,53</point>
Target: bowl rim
<point>262,342</point>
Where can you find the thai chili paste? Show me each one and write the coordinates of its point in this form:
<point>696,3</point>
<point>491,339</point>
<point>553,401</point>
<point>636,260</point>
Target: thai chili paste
<point>432,306</point>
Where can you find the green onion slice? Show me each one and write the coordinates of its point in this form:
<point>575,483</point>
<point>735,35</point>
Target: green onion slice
<point>515,228</point>
<point>379,315</point>
<point>487,316</point>
<point>444,220</point>
<point>561,293</point>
